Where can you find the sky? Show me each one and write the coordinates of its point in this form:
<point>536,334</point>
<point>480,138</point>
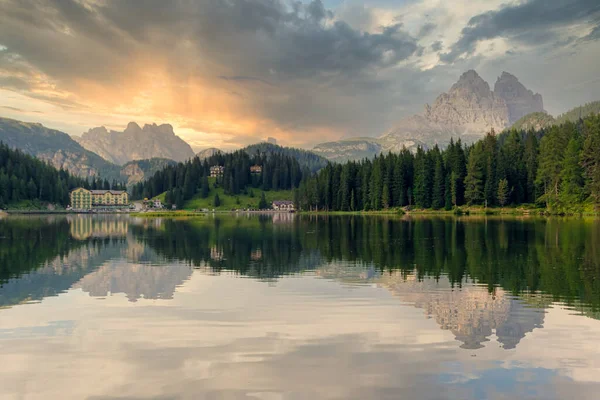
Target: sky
<point>227,73</point>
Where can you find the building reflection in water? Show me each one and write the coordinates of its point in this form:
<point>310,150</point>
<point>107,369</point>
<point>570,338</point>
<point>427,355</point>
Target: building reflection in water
<point>150,258</point>
<point>84,227</point>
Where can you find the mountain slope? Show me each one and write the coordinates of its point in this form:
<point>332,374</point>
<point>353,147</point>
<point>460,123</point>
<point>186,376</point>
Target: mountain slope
<point>206,153</point>
<point>61,151</point>
<point>579,112</point>
<point>467,111</point>
<point>136,143</point>
<point>305,158</point>
<point>55,147</point>
<point>352,149</point>
<point>535,121</point>
<point>539,120</point>
<point>140,170</point>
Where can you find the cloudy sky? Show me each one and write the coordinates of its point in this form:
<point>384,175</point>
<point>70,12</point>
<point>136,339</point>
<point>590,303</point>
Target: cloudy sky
<point>226,73</point>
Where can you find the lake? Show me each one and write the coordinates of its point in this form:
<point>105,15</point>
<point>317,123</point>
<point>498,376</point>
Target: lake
<point>299,307</point>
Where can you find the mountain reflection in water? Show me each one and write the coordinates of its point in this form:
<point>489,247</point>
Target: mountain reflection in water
<point>483,280</point>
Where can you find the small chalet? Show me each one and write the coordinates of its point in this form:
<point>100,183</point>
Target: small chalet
<point>216,170</point>
<point>256,169</point>
<point>283,205</point>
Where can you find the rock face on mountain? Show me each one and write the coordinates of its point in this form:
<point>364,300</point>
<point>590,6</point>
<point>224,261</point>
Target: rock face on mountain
<point>520,101</point>
<point>467,111</point>
<point>61,151</point>
<point>469,103</point>
<point>135,143</point>
<point>56,148</point>
<point>140,170</point>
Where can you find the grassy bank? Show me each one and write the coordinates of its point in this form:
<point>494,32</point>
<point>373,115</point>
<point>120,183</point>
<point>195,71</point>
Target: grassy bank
<point>248,200</point>
<point>34,205</point>
<point>524,209</point>
<point>167,214</point>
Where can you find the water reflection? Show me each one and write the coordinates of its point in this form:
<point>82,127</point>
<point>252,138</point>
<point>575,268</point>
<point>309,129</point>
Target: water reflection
<point>557,259</point>
<point>335,307</point>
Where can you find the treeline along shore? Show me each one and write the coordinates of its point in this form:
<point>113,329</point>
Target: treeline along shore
<point>554,170</point>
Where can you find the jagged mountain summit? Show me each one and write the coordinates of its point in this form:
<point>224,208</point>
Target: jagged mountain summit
<point>61,151</point>
<point>56,148</point>
<point>136,143</point>
<point>467,111</point>
<point>519,100</point>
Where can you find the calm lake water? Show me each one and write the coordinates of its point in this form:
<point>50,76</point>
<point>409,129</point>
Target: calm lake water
<point>298,307</point>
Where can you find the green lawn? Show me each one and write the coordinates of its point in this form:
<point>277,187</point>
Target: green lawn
<point>230,202</point>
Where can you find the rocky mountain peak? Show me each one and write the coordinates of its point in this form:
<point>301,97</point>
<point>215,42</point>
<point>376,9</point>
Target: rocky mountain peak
<point>519,100</point>
<point>469,103</point>
<point>98,131</point>
<point>135,143</point>
<point>163,129</point>
<point>467,111</point>
<point>132,127</point>
<point>471,81</point>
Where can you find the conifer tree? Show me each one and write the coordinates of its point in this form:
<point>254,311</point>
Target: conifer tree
<point>572,182</point>
<point>262,203</point>
<point>503,192</point>
<point>590,159</point>
<point>474,179</point>
<point>439,183</point>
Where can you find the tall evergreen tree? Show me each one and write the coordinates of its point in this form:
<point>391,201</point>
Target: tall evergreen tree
<point>572,182</point>
<point>439,183</point>
<point>590,159</point>
<point>475,174</point>
<point>503,192</point>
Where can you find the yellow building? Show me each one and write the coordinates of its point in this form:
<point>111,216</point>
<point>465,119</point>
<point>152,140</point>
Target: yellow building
<point>83,199</point>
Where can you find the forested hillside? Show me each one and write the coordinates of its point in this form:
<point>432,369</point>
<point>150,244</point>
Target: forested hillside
<point>183,181</point>
<point>558,168</point>
<point>55,147</point>
<point>541,120</point>
<point>23,177</point>
<point>576,113</point>
<point>305,158</point>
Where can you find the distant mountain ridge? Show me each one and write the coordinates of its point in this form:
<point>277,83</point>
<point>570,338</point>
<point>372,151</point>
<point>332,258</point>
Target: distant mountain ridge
<point>55,147</point>
<point>207,153</point>
<point>136,143</point>
<point>305,158</point>
<point>540,120</point>
<point>61,151</point>
<point>467,111</point>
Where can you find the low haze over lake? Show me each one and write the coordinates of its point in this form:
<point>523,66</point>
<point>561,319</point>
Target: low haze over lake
<point>294,307</point>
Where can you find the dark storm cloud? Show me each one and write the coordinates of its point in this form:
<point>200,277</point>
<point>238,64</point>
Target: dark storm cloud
<point>279,63</point>
<point>426,29</point>
<point>298,48</point>
<point>532,22</point>
<point>299,34</point>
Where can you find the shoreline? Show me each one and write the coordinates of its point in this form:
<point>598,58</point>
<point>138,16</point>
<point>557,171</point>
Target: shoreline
<point>463,212</point>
